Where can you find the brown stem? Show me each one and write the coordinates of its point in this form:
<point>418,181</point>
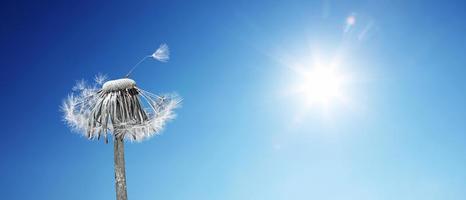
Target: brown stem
<point>120,174</point>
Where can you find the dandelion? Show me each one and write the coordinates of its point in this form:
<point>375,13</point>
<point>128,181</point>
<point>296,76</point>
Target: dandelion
<point>121,110</point>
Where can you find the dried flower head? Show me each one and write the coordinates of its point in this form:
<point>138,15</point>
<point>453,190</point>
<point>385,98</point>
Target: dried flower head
<point>117,107</point>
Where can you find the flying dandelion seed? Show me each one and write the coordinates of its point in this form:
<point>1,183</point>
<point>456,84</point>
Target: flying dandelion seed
<point>162,54</point>
<point>116,109</point>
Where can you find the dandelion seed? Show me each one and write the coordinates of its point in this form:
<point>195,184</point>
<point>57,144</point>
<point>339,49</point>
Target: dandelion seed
<point>100,79</point>
<point>162,54</point>
<point>80,85</point>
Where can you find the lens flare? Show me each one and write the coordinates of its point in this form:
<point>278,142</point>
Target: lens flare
<point>351,20</point>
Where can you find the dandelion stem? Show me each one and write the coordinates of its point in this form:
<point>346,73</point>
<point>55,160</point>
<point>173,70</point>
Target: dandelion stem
<point>120,174</point>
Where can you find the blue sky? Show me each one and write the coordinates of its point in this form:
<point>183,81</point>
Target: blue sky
<point>398,133</point>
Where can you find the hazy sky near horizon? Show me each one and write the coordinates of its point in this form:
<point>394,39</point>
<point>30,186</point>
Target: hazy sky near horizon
<point>397,131</point>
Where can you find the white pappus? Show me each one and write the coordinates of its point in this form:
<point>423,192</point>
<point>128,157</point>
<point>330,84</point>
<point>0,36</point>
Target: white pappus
<point>119,107</point>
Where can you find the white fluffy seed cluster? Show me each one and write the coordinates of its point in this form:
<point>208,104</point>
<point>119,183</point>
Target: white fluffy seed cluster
<point>118,84</point>
<point>133,116</point>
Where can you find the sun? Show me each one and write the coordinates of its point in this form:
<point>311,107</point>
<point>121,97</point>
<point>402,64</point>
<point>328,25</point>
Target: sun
<point>320,85</point>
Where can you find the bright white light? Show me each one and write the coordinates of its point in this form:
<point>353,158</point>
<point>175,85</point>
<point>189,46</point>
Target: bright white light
<point>320,85</point>
<point>351,20</point>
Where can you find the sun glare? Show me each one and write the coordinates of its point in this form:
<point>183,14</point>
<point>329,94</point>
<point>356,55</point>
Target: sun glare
<point>320,85</point>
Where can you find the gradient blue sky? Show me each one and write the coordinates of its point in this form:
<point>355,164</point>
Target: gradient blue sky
<point>401,134</point>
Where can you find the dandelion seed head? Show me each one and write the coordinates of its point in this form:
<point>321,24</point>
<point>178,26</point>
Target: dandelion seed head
<point>116,108</point>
